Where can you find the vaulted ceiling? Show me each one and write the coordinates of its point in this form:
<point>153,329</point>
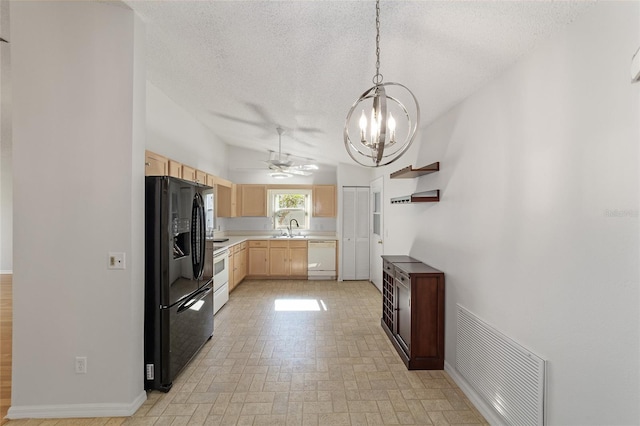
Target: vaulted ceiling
<point>245,67</point>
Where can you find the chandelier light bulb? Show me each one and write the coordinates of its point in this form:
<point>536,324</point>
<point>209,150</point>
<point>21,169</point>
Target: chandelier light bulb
<point>363,128</point>
<point>391,125</point>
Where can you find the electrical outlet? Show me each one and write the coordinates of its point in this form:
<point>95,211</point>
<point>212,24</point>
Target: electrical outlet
<point>81,365</point>
<point>116,260</point>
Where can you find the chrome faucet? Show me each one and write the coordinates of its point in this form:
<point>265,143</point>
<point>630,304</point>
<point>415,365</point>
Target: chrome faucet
<point>297,226</point>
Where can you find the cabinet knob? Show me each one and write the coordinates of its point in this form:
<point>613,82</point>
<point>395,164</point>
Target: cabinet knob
<point>147,163</point>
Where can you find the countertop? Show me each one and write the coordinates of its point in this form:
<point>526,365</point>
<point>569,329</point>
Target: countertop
<point>235,239</point>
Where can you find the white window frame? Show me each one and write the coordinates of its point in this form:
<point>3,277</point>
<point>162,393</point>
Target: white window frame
<point>271,208</point>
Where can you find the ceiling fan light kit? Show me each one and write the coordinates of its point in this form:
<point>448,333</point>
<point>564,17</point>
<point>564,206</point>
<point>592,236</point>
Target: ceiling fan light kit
<point>388,136</point>
<point>281,175</point>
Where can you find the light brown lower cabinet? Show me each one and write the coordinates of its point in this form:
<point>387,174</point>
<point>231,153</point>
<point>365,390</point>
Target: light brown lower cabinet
<point>258,258</point>
<point>288,259</point>
<point>277,259</point>
<point>237,264</point>
<point>299,260</point>
<point>231,267</point>
<point>240,271</point>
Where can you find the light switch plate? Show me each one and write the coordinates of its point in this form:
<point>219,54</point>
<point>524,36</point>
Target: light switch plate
<point>116,260</point>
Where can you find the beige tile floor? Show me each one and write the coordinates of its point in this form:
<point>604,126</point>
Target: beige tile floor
<point>300,353</point>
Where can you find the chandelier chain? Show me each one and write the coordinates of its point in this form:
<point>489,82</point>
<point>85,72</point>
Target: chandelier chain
<point>377,79</point>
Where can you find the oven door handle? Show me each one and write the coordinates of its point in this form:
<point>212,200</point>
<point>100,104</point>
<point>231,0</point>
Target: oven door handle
<point>197,296</point>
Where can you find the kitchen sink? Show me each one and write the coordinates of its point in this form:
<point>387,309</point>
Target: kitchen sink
<point>287,236</point>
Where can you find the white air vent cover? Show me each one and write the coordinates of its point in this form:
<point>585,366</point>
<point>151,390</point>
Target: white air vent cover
<point>507,376</point>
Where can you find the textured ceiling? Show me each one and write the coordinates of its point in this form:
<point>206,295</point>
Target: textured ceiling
<point>245,67</point>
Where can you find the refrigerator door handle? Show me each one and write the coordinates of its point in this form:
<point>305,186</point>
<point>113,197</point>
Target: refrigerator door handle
<point>196,297</point>
<point>198,226</point>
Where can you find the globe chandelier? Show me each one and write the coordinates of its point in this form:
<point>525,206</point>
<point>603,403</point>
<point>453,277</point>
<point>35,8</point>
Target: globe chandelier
<point>382,139</point>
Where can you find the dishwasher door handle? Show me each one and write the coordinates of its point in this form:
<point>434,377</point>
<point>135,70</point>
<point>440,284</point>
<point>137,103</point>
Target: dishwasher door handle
<point>316,244</point>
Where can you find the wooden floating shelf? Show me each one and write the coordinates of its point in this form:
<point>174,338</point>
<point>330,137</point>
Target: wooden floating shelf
<point>418,197</point>
<point>409,172</point>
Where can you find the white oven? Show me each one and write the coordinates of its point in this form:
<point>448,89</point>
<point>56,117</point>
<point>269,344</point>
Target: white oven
<point>220,279</point>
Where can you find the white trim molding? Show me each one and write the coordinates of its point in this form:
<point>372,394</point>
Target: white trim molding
<point>486,410</point>
<point>77,410</point>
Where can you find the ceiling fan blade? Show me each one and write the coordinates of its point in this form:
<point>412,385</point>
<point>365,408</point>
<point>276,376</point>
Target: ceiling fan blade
<point>296,171</point>
<point>267,120</point>
<point>309,130</point>
<point>304,167</point>
<point>237,119</point>
<point>277,165</point>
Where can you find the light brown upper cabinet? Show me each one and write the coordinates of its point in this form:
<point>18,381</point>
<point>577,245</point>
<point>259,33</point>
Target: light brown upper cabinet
<point>201,177</point>
<point>225,198</point>
<point>188,173</point>
<point>253,200</point>
<point>175,169</point>
<point>155,164</point>
<point>324,201</point>
<point>211,181</point>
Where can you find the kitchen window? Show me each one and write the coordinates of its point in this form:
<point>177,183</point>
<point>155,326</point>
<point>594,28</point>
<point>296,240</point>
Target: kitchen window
<point>288,206</point>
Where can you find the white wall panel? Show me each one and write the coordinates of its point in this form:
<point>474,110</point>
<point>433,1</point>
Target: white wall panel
<point>537,227</point>
<point>78,132</point>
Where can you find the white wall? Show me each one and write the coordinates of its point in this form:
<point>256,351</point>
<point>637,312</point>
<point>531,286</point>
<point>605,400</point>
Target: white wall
<point>6,149</point>
<point>78,111</point>
<point>537,228</point>
<point>172,131</point>
<point>353,175</point>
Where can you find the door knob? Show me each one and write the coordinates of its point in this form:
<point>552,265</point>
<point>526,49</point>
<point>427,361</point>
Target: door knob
<point>379,241</point>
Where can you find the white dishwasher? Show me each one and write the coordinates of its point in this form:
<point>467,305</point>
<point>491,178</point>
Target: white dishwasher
<point>322,260</point>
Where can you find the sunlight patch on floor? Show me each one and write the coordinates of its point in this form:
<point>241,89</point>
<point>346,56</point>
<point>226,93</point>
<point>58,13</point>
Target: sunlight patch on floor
<point>282,305</point>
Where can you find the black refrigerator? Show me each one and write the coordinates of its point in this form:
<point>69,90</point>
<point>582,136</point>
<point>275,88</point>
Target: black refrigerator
<point>178,278</point>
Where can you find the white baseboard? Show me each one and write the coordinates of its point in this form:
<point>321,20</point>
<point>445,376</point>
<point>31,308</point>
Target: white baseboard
<point>485,409</point>
<point>76,410</point>
<point>7,272</point>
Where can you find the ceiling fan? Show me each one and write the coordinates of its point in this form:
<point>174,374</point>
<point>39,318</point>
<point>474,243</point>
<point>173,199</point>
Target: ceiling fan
<point>265,121</point>
<point>282,166</point>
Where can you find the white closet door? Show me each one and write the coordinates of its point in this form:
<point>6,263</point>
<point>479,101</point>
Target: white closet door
<point>348,233</point>
<point>355,233</point>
